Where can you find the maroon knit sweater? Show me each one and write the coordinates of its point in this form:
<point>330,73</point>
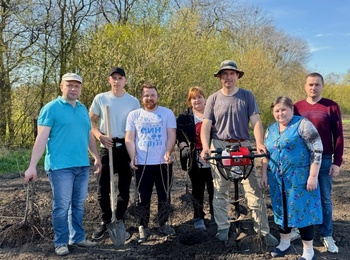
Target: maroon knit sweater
<point>326,117</point>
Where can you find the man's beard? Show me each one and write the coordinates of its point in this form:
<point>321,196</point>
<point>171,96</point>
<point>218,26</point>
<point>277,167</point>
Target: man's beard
<point>150,104</point>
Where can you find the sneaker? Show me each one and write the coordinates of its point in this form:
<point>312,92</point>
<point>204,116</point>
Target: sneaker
<point>167,230</point>
<point>270,240</point>
<point>98,234</point>
<point>143,234</point>
<point>330,245</point>
<point>127,235</point>
<point>199,224</point>
<point>222,234</point>
<point>279,253</point>
<point>62,250</point>
<point>84,243</point>
<point>294,234</point>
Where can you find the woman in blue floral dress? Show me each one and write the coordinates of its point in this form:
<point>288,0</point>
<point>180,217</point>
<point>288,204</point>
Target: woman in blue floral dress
<point>295,149</point>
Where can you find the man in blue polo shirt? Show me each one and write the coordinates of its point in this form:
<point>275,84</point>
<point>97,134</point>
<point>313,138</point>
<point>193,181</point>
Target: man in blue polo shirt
<point>64,130</point>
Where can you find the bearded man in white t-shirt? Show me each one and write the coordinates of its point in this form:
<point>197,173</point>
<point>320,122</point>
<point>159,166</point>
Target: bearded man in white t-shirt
<point>150,139</point>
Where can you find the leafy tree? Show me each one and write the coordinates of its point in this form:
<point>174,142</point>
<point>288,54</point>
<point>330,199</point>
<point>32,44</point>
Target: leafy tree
<point>18,32</point>
<point>175,44</point>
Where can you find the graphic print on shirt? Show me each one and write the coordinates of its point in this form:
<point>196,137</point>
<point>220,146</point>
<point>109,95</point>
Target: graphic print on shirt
<point>150,129</point>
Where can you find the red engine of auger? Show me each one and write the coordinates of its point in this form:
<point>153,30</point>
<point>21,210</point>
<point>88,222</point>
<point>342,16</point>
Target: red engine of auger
<point>236,156</point>
<point>235,163</point>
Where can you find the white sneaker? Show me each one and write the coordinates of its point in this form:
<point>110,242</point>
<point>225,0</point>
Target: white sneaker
<point>143,234</point>
<point>294,234</point>
<point>329,244</point>
<point>84,243</point>
<point>62,250</point>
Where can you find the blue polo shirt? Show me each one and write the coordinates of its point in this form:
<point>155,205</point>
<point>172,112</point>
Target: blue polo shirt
<point>68,141</point>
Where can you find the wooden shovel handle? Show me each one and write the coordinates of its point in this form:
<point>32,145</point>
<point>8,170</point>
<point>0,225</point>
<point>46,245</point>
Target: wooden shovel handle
<point>111,167</point>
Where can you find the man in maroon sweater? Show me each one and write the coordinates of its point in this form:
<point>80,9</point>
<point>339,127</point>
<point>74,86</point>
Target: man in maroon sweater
<point>325,114</point>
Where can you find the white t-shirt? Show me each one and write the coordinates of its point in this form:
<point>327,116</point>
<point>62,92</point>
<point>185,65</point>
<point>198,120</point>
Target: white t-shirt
<point>119,108</point>
<point>151,133</point>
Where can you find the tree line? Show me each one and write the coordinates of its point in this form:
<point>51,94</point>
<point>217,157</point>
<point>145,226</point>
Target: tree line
<point>175,44</point>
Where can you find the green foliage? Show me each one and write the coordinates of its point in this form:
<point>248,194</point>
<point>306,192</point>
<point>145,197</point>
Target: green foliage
<point>25,110</point>
<point>15,161</point>
<point>340,93</point>
<point>346,121</point>
<point>174,58</point>
<point>180,54</point>
<point>175,48</point>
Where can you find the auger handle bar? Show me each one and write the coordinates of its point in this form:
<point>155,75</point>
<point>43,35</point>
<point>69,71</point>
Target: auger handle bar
<point>218,156</point>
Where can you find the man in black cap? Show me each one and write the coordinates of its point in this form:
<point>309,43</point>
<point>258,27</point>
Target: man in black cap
<point>227,115</point>
<point>120,104</point>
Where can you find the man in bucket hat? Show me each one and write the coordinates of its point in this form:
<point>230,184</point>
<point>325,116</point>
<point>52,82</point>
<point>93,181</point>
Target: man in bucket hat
<point>229,65</point>
<point>227,115</point>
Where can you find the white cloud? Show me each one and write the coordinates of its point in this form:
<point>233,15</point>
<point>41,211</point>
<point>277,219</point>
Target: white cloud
<point>316,49</point>
<point>338,34</point>
<point>323,35</point>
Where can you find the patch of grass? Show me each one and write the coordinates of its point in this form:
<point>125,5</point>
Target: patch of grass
<point>346,121</point>
<point>15,161</point>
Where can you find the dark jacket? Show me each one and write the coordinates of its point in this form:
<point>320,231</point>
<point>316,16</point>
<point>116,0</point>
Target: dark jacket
<point>186,132</point>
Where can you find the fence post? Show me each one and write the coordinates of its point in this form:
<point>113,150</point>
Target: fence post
<point>35,128</point>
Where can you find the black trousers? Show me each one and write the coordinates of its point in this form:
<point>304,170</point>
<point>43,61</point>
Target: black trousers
<point>201,177</point>
<point>122,170</point>
<point>147,176</point>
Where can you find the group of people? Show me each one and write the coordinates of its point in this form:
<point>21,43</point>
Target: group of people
<point>305,147</point>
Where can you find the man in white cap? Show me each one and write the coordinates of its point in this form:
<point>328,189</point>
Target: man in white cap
<point>64,129</point>
<point>226,122</point>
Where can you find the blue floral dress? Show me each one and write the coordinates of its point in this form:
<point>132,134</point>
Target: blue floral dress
<point>290,163</point>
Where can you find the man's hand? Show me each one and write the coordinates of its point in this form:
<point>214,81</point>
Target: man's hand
<point>263,181</point>
<point>30,174</point>
<point>334,170</point>
<point>260,148</point>
<point>205,153</point>
<point>167,158</point>
<point>133,163</point>
<point>185,152</point>
<point>106,141</point>
<point>98,166</point>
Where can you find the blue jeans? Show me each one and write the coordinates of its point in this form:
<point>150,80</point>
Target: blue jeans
<point>325,182</point>
<point>69,191</point>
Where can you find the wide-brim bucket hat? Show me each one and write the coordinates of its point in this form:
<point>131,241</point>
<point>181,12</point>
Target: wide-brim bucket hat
<point>229,65</point>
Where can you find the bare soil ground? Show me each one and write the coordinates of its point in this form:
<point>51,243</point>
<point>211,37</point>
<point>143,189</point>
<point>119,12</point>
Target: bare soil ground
<point>33,240</point>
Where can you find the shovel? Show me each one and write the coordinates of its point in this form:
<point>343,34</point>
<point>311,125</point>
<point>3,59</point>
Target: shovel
<point>116,228</point>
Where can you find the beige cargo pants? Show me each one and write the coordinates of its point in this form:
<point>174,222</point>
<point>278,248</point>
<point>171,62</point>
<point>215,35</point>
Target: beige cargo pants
<point>251,191</point>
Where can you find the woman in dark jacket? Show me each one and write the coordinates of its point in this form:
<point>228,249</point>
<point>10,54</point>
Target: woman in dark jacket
<point>188,136</point>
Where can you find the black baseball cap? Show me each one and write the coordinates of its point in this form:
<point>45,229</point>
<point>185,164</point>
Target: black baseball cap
<point>117,70</point>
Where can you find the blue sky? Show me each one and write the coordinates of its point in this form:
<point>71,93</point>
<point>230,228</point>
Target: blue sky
<point>324,25</point>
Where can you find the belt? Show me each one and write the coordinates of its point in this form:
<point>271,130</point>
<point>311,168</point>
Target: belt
<point>233,140</point>
<point>118,139</point>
